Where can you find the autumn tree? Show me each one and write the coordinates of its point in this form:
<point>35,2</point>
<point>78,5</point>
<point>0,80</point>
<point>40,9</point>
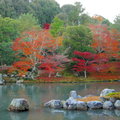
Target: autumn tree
<point>83,60</point>
<point>106,45</point>
<point>98,19</point>
<point>31,48</point>
<point>104,40</point>
<point>53,64</point>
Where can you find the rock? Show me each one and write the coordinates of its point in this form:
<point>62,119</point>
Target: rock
<point>65,105</point>
<point>106,91</point>
<point>71,103</point>
<point>95,104</point>
<point>19,104</point>
<point>113,100</point>
<point>73,94</point>
<point>117,104</point>
<point>56,104</point>
<point>72,106</point>
<point>5,75</point>
<point>48,104</point>
<point>19,81</point>
<point>108,105</point>
<point>70,100</point>
<point>79,97</point>
<point>1,80</point>
<point>81,105</point>
<point>102,99</point>
<point>58,75</point>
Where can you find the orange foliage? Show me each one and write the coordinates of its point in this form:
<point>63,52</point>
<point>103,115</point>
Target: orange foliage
<point>106,43</point>
<point>30,48</point>
<point>104,40</point>
<point>98,18</point>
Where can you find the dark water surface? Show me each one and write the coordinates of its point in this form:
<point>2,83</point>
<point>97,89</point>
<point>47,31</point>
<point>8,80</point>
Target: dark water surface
<point>37,94</point>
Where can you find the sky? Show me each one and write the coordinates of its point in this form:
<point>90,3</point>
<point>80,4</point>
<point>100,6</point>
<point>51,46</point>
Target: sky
<point>106,8</point>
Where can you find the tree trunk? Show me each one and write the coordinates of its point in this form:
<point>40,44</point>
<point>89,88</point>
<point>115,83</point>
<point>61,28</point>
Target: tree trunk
<point>85,73</point>
<point>49,74</point>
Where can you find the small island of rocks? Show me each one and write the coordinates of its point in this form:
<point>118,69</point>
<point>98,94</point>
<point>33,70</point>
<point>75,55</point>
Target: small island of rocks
<point>109,99</point>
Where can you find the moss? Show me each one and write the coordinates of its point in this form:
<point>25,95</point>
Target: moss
<point>113,95</point>
<point>90,98</point>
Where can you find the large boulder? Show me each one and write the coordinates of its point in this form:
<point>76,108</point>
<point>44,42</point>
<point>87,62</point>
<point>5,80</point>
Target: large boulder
<point>65,105</point>
<point>71,100</point>
<point>81,105</point>
<point>71,103</point>
<point>72,106</point>
<point>19,104</point>
<point>106,92</point>
<point>108,105</point>
<point>57,104</point>
<point>73,94</point>
<point>95,105</point>
<point>112,99</point>
<point>117,104</point>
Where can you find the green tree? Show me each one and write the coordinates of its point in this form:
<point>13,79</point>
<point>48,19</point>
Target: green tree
<point>14,8</point>
<point>27,22</point>
<point>56,27</point>
<point>8,32</point>
<point>98,19</point>
<point>8,29</point>
<point>77,38</point>
<point>72,13</point>
<point>116,24</point>
<point>85,19</point>
<point>44,10</point>
<point>7,56</point>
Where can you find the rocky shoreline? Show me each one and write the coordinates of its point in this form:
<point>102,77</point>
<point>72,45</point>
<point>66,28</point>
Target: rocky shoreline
<point>76,102</point>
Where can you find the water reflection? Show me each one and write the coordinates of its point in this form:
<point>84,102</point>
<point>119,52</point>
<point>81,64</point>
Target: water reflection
<point>88,115</point>
<point>37,94</point>
<point>18,115</point>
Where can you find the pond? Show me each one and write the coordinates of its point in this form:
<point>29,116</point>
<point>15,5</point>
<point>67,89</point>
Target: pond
<point>37,94</point>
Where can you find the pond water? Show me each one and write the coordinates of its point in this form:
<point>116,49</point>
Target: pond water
<point>37,94</point>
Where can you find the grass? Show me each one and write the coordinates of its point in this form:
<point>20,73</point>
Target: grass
<point>69,79</point>
<point>113,95</point>
<point>90,98</point>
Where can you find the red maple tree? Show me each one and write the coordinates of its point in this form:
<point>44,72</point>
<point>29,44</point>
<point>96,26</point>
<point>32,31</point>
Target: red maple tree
<point>53,64</point>
<point>83,62</point>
